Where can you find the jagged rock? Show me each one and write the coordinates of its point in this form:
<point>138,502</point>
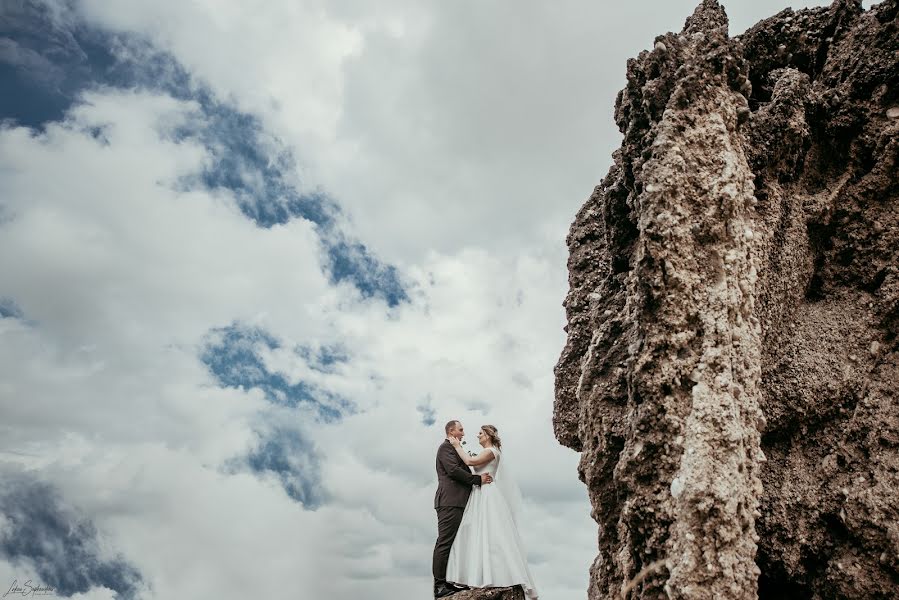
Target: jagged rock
<point>506,593</point>
<point>731,371</point>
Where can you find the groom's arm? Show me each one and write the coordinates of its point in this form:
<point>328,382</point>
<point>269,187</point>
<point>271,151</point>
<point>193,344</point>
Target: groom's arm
<point>447,458</point>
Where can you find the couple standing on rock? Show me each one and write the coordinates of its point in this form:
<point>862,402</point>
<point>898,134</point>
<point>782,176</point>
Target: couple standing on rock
<point>478,507</point>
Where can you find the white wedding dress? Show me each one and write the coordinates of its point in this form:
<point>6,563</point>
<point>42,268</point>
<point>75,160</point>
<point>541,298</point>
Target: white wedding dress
<point>488,551</point>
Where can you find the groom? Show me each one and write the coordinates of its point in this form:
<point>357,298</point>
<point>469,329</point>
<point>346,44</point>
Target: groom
<point>454,481</point>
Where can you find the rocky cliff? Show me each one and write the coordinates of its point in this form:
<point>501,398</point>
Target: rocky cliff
<point>731,374</point>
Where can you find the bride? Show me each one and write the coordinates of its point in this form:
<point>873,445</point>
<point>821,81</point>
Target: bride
<point>488,551</point>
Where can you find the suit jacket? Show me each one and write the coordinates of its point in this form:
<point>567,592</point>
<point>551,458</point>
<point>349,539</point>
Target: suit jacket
<point>454,478</point>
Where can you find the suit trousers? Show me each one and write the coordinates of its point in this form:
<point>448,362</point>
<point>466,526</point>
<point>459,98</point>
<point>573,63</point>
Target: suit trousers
<point>448,520</point>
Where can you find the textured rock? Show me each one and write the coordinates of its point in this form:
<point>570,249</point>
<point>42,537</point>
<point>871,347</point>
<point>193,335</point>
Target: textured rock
<point>506,593</point>
<point>731,369</point>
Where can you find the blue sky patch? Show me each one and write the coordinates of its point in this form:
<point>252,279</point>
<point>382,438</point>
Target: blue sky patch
<point>45,62</point>
<point>428,415</point>
<point>9,309</point>
<point>325,359</point>
<point>60,545</point>
<point>351,261</point>
<point>286,454</point>
<point>232,354</point>
<point>426,409</point>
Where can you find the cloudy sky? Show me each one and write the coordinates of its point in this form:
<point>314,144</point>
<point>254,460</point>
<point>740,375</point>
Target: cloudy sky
<point>254,255</point>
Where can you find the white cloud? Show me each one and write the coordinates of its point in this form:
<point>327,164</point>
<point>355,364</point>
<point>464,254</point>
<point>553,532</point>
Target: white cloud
<point>120,278</point>
<point>436,124</point>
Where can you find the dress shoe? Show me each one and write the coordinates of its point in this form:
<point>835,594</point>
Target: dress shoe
<point>457,586</point>
<point>444,590</point>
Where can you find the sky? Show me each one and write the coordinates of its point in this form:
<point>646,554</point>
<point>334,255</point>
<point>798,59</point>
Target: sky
<point>253,256</point>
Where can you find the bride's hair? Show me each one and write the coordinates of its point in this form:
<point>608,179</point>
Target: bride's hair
<point>491,432</point>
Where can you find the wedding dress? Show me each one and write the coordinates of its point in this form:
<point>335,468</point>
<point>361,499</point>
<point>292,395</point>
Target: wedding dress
<point>488,551</point>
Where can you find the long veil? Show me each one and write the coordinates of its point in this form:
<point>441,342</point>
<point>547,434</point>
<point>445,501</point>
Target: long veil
<point>504,480</point>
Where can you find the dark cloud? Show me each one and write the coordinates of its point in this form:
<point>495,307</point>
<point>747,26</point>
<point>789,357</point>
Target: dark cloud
<point>31,63</point>
<point>46,60</point>
<point>9,309</point>
<point>61,545</point>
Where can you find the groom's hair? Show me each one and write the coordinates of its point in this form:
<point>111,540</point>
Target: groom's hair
<point>450,426</point>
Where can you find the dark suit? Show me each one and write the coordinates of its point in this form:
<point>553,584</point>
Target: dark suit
<point>454,481</point>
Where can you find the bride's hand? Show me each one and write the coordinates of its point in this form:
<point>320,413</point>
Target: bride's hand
<point>454,441</point>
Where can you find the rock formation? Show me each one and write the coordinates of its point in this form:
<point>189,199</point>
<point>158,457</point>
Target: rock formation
<point>731,374</point>
<point>506,593</point>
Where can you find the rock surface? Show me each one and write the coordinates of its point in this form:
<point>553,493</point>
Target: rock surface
<point>506,593</point>
<point>731,373</point>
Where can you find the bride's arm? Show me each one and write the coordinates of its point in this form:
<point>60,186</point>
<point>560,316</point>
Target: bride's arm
<point>472,461</point>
